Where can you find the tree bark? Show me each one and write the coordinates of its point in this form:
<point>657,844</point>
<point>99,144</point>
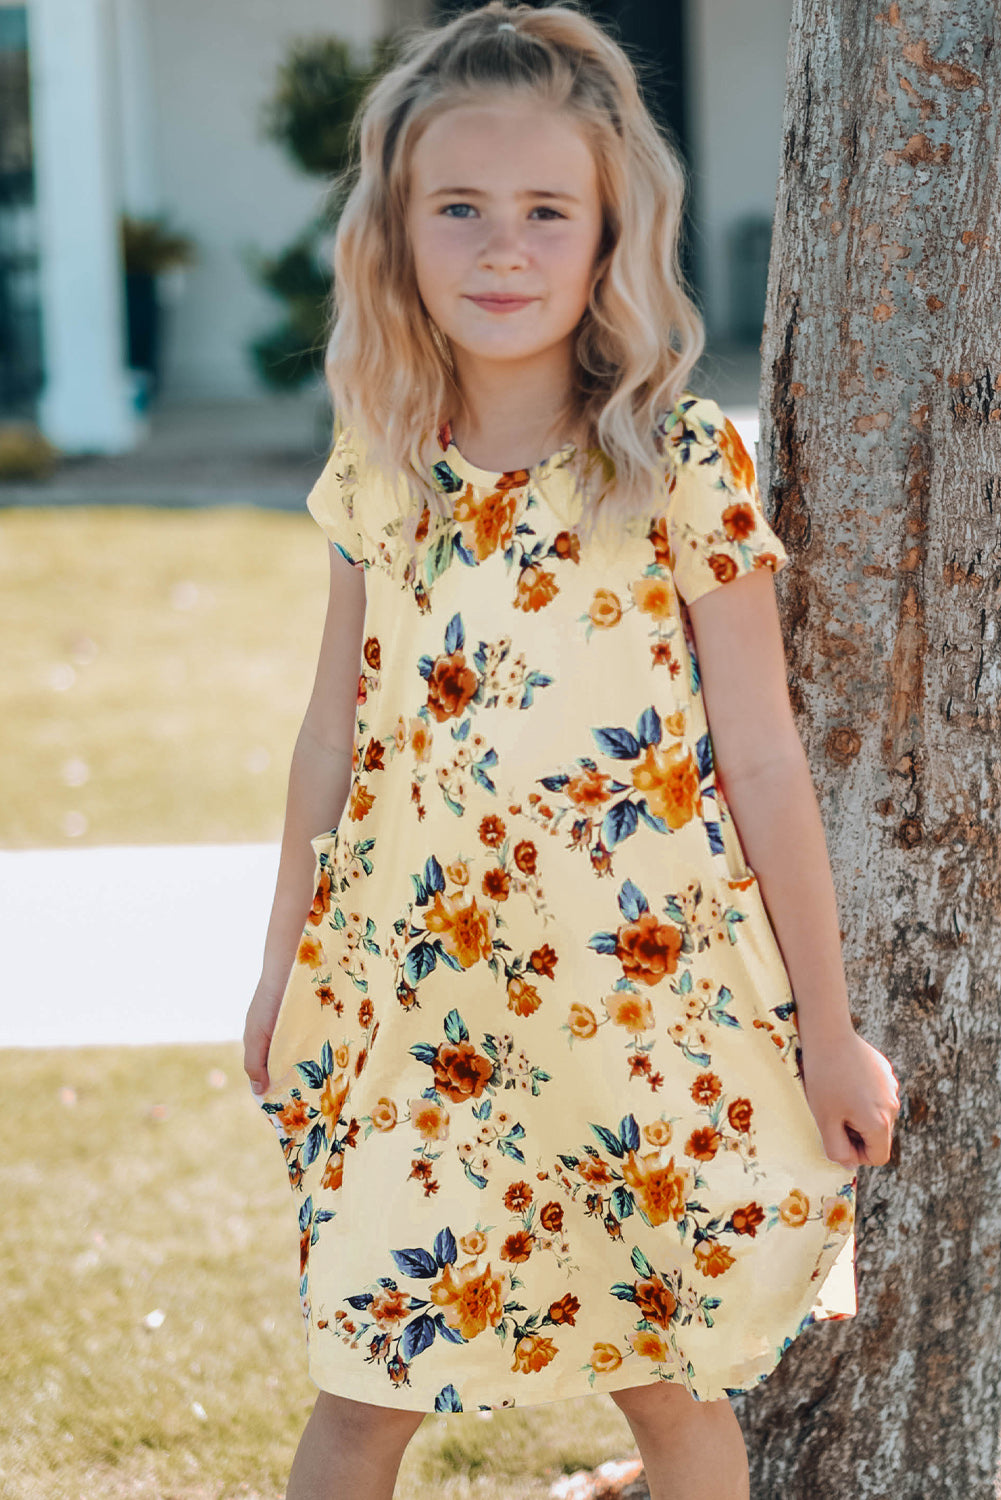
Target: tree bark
<point>880,467</point>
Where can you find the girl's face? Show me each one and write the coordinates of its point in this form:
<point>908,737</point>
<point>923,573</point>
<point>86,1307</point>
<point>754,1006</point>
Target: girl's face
<point>503,198</point>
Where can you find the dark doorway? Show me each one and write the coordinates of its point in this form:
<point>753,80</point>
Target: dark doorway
<point>20,314</point>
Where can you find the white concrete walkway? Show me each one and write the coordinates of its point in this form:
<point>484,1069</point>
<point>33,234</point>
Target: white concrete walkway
<point>108,946</point>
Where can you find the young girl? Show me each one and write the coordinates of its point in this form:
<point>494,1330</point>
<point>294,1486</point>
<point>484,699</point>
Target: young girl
<point>554,1120</point>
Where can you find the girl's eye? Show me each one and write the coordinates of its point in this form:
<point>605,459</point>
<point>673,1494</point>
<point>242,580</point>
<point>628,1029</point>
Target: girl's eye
<point>543,206</point>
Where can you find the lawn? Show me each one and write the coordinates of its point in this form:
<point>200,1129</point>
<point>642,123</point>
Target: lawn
<point>153,1345</point>
<point>157,667</point>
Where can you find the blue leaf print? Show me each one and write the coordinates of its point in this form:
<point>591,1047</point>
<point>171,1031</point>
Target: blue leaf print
<point>421,897</point>
<point>448,959</point>
<point>455,1027</point>
<point>480,660</point>
<point>640,1263</point>
<point>608,1139</point>
<point>323,1215</point>
<point>425,665</point>
<point>648,817</point>
<point>618,743</point>
<point>461,731</point>
<point>415,1262</point>
<point>632,901</point>
<point>784,1011</point>
<point>480,776</point>
<point>622,1290</point>
<point>314,1144</point>
<point>305,1214</point>
<point>716,844</point>
<point>424,1052</point>
<point>554,783</point>
<point>360,1302</point>
<point>445,1249</point>
<point>452,1335</point>
<point>417,1336</point>
<point>463,551</point>
<point>326,1060</point>
<point>622,1203</point>
<point>455,635</point>
<point>704,756</point>
<point>618,823</point>
<point>311,1074</point>
<point>649,728</point>
<point>447,1398</point>
<point>603,942</point>
<point>629,1132</point>
<point>507,1148</point>
<point>420,962</point>
<point>434,877</point>
<point>446,477</point>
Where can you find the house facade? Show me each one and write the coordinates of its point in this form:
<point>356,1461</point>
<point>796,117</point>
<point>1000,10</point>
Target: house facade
<point>152,108</point>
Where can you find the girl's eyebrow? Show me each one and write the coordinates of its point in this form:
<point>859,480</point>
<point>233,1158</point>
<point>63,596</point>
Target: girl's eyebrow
<point>471,192</point>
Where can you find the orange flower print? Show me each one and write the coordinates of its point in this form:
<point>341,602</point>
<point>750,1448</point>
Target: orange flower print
<point>517,1197</point>
<point>706,1089</point>
<point>551,1217</point>
<point>633,1012</point>
<point>465,930</point>
<point>654,596</point>
<point>496,884</point>
<point>605,1358</point>
<point>739,521</point>
<point>739,1115</point>
<point>712,1259</point>
<point>658,1133</point>
<point>321,900</point>
<point>472,1301</point>
<point>536,587</point>
<point>523,998</point>
<point>661,1190</point>
<point>430,1119</point>
<point>605,609</point>
<point>723,567</point>
<point>384,1114</point>
<point>332,1097</point>
<point>837,1215</point>
<point>389,1305</point>
<point>372,653</point>
<point>736,456</point>
<point>450,686</point>
<point>361,802</point>
<point>670,779</point>
<point>533,1352</point>
<point>588,788</point>
<point>649,1345</point>
<point>658,535</point>
<point>420,739</point>
<point>593,1170</point>
<point>795,1208</point>
<point>543,960</point>
<point>747,1220</point>
<point>767,560</point>
<point>526,856</point>
<point>583,1021</point>
<point>492,518</point>
<point>703,1143</point>
<point>518,1246</point>
<point>294,1116</point>
<point>565,1310</point>
<point>567,544</point>
<point>310,953</point>
<point>374,756</point>
<point>647,948</point>
<point>458,873</point>
<point>333,1172</point>
<point>656,1301</point>
<point>473,1243</point>
<point>492,830</point>
<point>460,1072</point>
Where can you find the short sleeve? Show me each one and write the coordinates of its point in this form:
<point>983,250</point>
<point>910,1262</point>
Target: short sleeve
<point>716,527</point>
<point>331,501</point>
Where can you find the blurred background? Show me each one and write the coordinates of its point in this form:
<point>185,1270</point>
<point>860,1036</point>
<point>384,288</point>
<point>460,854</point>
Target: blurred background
<point>166,221</point>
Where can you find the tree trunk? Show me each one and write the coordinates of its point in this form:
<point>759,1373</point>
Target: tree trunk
<point>880,467</point>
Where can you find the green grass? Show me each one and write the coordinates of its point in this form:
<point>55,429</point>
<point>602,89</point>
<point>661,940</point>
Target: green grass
<point>157,667</point>
<point>157,1184</point>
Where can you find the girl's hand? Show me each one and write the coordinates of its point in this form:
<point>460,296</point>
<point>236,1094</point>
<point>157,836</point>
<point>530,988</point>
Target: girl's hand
<point>853,1094</point>
<point>262,1014</point>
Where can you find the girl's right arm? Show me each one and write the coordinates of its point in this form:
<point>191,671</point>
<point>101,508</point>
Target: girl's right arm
<point>317,791</point>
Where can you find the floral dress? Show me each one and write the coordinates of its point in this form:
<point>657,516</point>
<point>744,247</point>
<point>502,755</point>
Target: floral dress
<point>536,1073</point>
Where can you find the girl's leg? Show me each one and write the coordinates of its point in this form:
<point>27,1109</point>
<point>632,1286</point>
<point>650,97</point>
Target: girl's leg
<point>688,1447</point>
<point>350,1450</point>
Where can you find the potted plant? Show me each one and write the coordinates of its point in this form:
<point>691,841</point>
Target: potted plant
<point>149,250</point>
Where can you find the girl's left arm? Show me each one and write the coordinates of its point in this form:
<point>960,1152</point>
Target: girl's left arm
<point>766,781</point>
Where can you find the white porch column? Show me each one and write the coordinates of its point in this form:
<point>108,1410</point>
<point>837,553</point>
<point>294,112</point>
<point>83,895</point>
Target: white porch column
<point>86,403</point>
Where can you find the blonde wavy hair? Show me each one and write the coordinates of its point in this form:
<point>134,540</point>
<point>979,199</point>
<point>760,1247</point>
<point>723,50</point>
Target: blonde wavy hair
<point>389,369</point>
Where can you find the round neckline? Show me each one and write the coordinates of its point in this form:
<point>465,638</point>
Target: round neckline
<point>489,479</point>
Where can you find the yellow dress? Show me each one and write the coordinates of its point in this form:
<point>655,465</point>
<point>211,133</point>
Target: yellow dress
<point>535,1073</point>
